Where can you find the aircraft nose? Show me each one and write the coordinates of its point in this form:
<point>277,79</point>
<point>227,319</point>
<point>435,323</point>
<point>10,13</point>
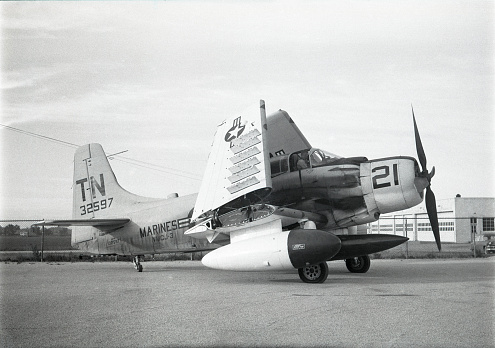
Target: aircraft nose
<point>395,183</point>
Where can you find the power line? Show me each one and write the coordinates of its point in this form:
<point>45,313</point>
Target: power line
<point>157,168</point>
<point>40,136</point>
<point>116,156</point>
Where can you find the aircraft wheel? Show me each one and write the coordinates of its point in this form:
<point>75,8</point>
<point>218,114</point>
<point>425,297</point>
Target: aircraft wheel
<point>314,274</point>
<point>360,264</point>
<point>137,263</point>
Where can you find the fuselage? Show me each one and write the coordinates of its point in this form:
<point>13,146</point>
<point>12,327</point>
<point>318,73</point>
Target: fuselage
<point>156,226</point>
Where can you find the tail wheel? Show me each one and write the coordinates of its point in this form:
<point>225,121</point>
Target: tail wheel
<point>314,274</point>
<point>360,264</point>
<point>137,263</point>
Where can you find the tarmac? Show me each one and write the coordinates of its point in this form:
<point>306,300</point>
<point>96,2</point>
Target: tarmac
<point>398,303</point>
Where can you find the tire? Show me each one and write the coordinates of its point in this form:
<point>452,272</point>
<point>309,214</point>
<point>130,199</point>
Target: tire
<point>360,264</point>
<point>314,274</point>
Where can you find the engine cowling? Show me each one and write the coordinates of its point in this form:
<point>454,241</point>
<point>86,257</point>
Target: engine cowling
<point>277,251</point>
<point>391,184</point>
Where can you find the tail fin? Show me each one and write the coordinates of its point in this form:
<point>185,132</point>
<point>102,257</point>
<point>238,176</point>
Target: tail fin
<point>96,192</point>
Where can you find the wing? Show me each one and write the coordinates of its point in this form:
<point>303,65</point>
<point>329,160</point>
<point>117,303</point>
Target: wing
<point>238,170</point>
<point>284,137</point>
<point>237,176</point>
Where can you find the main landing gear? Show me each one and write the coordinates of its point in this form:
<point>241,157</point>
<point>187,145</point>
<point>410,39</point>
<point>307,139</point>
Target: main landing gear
<point>137,262</point>
<point>314,274</point>
<point>360,264</point>
<point>319,273</point>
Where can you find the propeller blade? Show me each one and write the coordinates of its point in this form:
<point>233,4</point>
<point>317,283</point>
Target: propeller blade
<point>432,172</point>
<point>431,208</point>
<point>431,202</point>
<point>419,144</point>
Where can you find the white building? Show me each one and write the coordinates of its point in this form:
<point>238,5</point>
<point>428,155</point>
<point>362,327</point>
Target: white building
<point>458,217</point>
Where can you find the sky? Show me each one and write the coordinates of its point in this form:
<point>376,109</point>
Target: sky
<point>156,78</point>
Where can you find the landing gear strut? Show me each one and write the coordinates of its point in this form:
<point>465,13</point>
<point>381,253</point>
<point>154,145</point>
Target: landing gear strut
<point>314,274</point>
<point>360,264</point>
<point>137,263</point>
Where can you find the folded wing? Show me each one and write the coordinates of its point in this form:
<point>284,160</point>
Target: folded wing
<point>284,137</point>
<point>238,171</point>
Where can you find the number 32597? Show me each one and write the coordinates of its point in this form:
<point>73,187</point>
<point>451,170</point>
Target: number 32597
<point>96,206</point>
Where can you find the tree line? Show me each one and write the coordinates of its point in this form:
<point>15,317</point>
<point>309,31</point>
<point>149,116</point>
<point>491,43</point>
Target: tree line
<point>12,230</point>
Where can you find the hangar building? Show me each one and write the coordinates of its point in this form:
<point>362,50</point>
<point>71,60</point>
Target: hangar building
<point>458,218</point>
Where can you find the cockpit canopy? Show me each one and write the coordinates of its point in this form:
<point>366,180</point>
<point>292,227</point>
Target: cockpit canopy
<point>320,157</point>
<point>301,160</point>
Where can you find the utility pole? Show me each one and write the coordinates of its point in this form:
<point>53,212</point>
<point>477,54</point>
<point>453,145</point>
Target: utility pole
<point>473,234</point>
<point>407,242</point>
<point>42,240</point>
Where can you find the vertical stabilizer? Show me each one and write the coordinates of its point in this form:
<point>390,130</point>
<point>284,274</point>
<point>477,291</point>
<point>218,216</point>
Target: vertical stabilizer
<point>96,192</point>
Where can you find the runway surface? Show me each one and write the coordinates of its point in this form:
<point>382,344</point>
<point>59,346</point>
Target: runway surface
<point>398,303</point>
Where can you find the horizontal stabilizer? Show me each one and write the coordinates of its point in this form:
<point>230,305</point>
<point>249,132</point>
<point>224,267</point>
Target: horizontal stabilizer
<point>98,223</point>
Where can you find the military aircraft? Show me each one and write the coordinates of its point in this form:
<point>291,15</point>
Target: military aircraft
<point>268,201</point>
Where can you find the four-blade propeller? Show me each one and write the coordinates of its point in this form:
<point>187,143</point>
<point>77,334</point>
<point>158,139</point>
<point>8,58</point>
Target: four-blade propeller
<point>430,201</point>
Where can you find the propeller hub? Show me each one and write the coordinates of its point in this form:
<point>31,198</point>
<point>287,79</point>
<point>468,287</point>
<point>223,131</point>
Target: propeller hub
<point>421,183</point>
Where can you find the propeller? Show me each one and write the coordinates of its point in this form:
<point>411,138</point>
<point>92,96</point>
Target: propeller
<point>431,203</point>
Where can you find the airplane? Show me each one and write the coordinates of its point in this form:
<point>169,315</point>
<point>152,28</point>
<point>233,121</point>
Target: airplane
<point>268,201</point>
